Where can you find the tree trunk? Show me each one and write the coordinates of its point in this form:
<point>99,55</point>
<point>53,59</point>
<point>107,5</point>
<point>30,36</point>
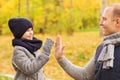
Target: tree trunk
<point>102,9</point>
<point>27,9</point>
<point>0,30</point>
<point>42,30</point>
<point>70,28</point>
<point>45,21</point>
<point>57,12</point>
<point>103,5</point>
<point>19,6</point>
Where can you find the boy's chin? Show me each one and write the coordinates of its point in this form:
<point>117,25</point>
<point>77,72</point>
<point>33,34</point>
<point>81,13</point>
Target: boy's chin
<point>30,38</point>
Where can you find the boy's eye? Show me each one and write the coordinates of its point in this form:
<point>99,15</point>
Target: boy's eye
<point>30,29</point>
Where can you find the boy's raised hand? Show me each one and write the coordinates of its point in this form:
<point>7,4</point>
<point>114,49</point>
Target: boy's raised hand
<point>48,46</point>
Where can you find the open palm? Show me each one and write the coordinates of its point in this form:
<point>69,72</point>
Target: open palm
<point>58,48</point>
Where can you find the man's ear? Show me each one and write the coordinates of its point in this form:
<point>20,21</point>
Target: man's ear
<point>118,22</point>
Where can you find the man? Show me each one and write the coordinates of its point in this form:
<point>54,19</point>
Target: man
<point>105,64</point>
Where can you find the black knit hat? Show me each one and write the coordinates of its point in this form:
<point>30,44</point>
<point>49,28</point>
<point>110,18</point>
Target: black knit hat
<point>19,26</point>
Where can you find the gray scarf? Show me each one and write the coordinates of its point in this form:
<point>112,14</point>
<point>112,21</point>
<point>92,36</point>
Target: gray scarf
<point>107,54</point>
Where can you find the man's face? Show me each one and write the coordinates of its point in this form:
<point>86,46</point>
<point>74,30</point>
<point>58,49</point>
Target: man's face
<point>107,22</point>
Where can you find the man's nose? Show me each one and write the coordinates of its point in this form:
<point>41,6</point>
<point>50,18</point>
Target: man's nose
<point>101,23</point>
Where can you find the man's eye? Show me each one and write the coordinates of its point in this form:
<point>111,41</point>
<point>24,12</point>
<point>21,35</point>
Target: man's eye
<point>104,18</point>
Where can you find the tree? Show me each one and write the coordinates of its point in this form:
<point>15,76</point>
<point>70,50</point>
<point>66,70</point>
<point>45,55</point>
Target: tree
<point>70,28</point>
<point>27,9</point>
<point>19,7</point>
<point>58,10</point>
<point>42,30</point>
<point>103,5</point>
<point>102,8</point>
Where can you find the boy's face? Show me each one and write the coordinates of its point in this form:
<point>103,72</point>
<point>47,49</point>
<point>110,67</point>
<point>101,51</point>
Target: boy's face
<point>28,34</point>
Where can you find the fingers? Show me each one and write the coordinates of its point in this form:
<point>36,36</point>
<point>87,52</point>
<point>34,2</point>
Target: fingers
<point>58,48</point>
<point>58,41</point>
